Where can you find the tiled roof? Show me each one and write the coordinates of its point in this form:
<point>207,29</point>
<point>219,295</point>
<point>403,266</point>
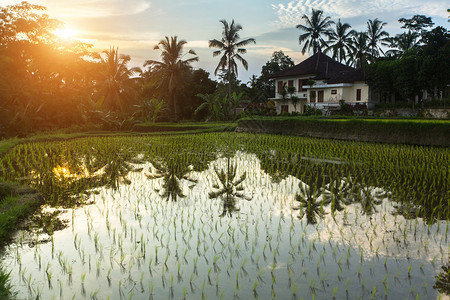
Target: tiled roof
<point>347,76</point>
<point>320,66</point>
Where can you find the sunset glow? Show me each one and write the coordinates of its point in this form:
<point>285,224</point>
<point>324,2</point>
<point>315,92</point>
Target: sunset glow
<point>135,26</point>
<point>65,33</point>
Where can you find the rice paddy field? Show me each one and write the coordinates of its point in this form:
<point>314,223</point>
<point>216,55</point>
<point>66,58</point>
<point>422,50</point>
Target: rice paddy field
<point>231,216</point>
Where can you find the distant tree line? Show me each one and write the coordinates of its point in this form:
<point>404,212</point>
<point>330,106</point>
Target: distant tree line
<point>48,83</point>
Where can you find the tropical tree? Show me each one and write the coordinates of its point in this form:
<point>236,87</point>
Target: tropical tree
<point>294,99</point>
<point>169,72</point>
<point>42,81</point>
<point>360,50</point>
<point>278,62</point>
<point>213,104</point>
<point>418,23</point>
<point>403,42</point>
<point>114,79</point>
<point>151,110</point>
<point>340,43</point>
<point>376,37</point>
<point>231,48</point>
<point>316,28</point>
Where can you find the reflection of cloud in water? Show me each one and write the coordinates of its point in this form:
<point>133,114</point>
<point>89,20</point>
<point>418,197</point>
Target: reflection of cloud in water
<point>383,233</point>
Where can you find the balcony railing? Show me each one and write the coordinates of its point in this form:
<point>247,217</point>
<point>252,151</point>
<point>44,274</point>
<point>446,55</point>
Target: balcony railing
<point>301,95</point>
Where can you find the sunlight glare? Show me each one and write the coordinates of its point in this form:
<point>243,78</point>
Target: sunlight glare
<point>65,33</point>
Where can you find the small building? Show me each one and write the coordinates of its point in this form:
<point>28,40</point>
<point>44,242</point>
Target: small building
<point>321,82</point>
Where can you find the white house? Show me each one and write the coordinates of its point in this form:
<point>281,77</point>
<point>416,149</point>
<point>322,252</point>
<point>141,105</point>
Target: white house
<point>322,82</point>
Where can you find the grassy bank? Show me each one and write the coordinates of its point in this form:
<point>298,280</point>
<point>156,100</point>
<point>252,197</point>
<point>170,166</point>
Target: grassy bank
<point>403,131</point>
<point>16,203</point>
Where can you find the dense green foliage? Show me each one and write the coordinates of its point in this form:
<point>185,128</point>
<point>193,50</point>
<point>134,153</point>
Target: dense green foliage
<point>263,84</point>
<point>419,68</point>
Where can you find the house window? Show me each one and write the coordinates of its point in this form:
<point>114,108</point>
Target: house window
<point>320,96</point>
<point>290,83</point>
<point>284,109</point>
<point>358,95</point>
<point>300,85</point>
<point>333,92</point>
<point>279,86</point>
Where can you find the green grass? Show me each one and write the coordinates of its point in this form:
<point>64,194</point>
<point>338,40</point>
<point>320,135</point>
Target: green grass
<point>13,208</point>
<point>6,290</point>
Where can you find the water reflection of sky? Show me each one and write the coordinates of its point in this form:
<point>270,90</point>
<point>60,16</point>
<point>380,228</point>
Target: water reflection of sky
<point>132,243</point>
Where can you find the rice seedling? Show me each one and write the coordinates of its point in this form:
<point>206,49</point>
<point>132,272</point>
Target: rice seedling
<point>358,204</point>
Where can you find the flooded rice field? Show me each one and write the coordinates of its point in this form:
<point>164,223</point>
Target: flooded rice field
<point>231,217</point>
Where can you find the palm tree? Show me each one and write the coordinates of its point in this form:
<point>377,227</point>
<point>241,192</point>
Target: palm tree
<point>359,50</point>
<point>340,42</point>
<point>315,29</point>
<point>169,72</point>
<point>115,78</point>
<point>231,48</point>
<point>403,42</point>
<point>376,36</point>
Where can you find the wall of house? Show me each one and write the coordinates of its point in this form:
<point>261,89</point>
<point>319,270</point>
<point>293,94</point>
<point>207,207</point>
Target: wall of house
<point>347,93</point>
<point>364,93</point>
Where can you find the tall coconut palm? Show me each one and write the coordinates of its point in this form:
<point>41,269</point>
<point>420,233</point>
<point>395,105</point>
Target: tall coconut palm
<point>115,78</point>
<point>360,51</point>
<point>377,36</point>
<point>340,42</point>
<point>169,72</point>
<point>231,48</point>
<point>316,28</point>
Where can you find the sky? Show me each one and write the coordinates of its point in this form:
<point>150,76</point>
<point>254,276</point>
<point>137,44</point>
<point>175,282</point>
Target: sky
<point>136,26</point>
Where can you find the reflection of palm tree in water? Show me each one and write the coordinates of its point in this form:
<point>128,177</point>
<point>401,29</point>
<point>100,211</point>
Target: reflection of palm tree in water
<point>369,199</point>
<point>310,205</point>
<point>339,193</point>
<point>115,170</point>
<point>173,170</point>
<point>229,188</point>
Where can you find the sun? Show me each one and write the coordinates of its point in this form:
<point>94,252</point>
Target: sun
<point>65,33</point>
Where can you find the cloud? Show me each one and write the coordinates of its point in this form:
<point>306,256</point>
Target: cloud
<point>95,8</point>
<point>290,14</point>
<point>197,44</point>
<point>266,51</point>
